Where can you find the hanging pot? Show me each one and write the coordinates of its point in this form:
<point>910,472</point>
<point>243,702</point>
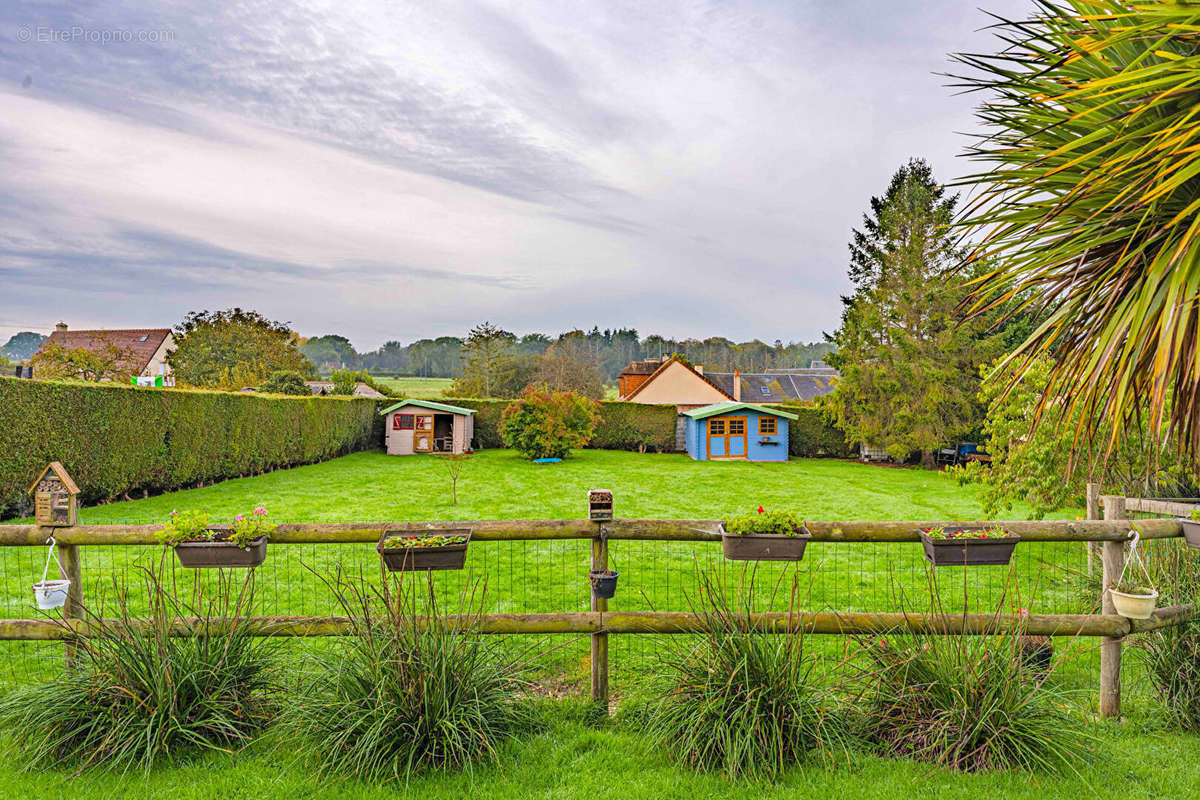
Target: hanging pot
<point>604,583</point>
<point>51,594</point>
<point>1191,532</point>
<point>1134,606</point>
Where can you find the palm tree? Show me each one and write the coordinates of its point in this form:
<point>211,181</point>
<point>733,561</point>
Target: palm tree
<point>1090,205</point>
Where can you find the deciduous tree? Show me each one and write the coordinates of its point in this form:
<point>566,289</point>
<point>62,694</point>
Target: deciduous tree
<point>234,348</point>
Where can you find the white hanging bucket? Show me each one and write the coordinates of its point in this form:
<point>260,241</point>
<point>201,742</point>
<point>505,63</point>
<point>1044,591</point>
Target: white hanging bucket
<point>51,594</point>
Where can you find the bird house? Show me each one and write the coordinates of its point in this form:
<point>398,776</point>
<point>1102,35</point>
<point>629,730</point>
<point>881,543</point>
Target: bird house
<point>600,505</point>
<point>55,497</point>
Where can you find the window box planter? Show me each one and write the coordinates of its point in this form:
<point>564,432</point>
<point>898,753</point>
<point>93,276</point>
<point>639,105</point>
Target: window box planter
<point>1137,603</point>
<point>408,551</point>
<point>219,553</point>
<point>764,546</point>
<point>1191,532</point>
<point>968,547</point>
<point>604,583</point>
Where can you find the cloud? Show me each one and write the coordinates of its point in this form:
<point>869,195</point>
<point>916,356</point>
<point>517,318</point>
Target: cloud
<point>400,170</point>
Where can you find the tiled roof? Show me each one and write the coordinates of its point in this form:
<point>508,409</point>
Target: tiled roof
<point>775,387</point>
<point>360,389</point>
<point>141,343</point>
<point>647,367</point>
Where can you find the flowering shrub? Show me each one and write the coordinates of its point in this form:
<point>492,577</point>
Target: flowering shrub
<point>781,523</point>
<point>546,424</point>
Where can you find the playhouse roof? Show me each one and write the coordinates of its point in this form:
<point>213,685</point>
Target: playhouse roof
<point>429,404</point>
<point>728,407</point>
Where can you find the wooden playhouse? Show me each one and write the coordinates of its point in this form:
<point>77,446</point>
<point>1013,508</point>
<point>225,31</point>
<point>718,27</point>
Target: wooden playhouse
<point>423,426</point>
<point>737,431</point>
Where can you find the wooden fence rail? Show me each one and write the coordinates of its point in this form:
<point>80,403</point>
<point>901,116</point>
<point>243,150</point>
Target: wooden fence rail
<point>598,623</point>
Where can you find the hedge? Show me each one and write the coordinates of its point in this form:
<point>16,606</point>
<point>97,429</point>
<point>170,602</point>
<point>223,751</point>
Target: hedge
<point>622,426</point>
<point>636,426</point>
<point>114,439</point>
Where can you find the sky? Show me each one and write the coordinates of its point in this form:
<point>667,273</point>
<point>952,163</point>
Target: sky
<point>394,170</point>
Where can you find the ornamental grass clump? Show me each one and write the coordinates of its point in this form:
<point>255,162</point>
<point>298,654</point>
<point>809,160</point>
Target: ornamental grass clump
<point>966,702</point>
<point>187,677</point>
<point>740,701</point>
<point>1172,655</point>
<point>408,690</point>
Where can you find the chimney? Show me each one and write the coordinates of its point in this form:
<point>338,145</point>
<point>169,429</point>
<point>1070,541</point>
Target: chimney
<point>62,326</point>
<point>737,386</point>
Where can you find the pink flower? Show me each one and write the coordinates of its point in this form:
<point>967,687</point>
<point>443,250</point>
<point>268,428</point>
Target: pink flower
<point>1023,612</point>
<point>173,513</point>
<point>260,511</point>
<point>238,518</point>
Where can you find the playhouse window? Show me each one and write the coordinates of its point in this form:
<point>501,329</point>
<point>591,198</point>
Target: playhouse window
<point>403,422</point>
<point>765,389</point>
<point>716,427</point>
<point>766,426</point>
<point>737,427</point>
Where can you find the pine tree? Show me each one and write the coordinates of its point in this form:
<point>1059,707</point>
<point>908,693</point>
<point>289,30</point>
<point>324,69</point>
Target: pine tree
<point>909,363</point>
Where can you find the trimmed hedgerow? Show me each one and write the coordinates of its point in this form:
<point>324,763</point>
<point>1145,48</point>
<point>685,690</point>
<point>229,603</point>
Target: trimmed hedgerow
<point>814,435</point>
<point>621,426</point>
<point>114,439</point>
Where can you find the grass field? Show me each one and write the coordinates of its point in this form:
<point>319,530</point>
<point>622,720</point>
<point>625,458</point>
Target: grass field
<point>420,388</point>
<point>571,758</point>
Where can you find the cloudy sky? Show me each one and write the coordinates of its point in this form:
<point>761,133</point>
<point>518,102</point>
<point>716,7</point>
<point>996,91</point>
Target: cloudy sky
<point>393,170</point>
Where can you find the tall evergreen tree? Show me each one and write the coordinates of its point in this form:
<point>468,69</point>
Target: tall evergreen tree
<point>910,365</point>
<point>488,362</point>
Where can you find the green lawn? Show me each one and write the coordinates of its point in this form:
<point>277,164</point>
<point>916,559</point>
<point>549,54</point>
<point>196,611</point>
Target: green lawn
<point>570,759</point>
<point>423,388</point>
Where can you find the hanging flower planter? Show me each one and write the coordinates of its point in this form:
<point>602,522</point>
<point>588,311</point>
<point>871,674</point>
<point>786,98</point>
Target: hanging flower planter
<point>765,536</point>
<point>1191,529</point>
<point>1131,599</point>
<point>404,551</point>
<point>51,594</point>
<point>604,583</point>
<point>199,545</point>
<point>968,546</point>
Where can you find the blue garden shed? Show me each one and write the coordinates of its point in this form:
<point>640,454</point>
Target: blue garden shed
<point>737,431</point>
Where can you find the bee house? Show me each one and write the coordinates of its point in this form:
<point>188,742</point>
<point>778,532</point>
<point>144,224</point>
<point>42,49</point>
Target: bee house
<point>600,505</point>
<point>55,497</point>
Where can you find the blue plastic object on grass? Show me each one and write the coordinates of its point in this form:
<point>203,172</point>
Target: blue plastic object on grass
<point>546,460</point>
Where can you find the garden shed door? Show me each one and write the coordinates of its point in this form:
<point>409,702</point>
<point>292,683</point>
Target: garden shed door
<point>423,434</point>
<point>727,437</point>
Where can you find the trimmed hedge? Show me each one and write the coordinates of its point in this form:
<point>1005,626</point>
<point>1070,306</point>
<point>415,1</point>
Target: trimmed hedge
<point>622,426</point>
<point>813,435</point>
<point>114,439</point>
<point>636,426</point>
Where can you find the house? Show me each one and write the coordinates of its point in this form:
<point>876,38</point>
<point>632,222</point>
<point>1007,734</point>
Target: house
<point>145,349</point>
<point>673,381</point>
<point>423,426</point>
<point>323,388</point>
<point>737,432</point>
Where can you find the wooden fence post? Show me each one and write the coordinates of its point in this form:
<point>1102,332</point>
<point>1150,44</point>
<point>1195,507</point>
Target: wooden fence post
<point>71,569</point>
<point>600,640</point>
<point>1110,646</point>
<point>1093,512</point>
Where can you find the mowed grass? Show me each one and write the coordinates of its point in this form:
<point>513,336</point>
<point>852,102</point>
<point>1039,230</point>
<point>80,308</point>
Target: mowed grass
<point>572,758</point>
<point>420,388</point>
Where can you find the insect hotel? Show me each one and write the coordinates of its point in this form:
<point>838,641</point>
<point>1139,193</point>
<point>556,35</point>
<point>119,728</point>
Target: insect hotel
<point>422,426</point>
<point>55,497</point>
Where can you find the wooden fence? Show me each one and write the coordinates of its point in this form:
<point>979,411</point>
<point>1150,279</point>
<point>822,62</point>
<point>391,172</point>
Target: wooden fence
<point>1109,534</point>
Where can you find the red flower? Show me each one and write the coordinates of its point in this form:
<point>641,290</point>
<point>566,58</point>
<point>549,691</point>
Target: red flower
<point>760,510</point>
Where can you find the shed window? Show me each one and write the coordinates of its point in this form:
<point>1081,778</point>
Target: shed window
<point>402,422</point>
<point>765,389</point>
<point>716,427</point>
<point>737,427</point>
<point>767,426</point>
